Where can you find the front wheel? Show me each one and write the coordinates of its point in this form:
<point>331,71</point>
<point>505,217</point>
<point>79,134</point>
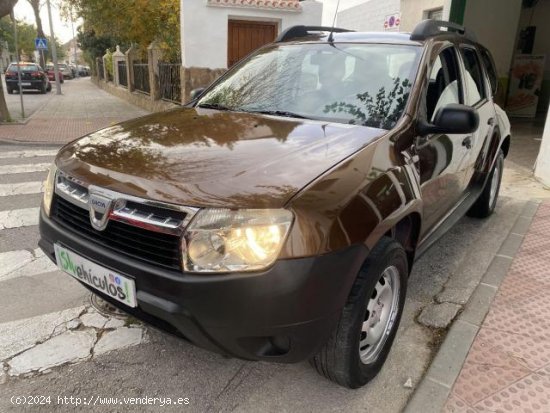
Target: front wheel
<point>360,343</point>
<point>487,201</point>
<point>10,91</point>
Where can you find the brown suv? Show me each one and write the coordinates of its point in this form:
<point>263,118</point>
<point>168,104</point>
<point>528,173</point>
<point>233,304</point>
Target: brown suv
<point>278,215</point>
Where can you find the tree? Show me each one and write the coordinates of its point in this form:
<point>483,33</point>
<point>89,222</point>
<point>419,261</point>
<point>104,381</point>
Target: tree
<point>127,22</point>
<point>35,4</point>
<point>6,6</point>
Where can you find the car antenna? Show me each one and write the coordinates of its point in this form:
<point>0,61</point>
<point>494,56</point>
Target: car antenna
<point>331,35</point>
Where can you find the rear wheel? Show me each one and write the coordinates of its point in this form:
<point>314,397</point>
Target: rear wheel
<point>358,347</point>
<point>49,89</point>
<point>10,91</point>
<point>487,201</point>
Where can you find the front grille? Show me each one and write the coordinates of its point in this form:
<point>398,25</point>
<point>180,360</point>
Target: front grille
<point>141,244</point>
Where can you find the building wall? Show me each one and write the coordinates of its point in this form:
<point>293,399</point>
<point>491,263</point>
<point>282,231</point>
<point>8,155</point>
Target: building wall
<point>542,171</point>
<point>413,12</point>
<point>495,22</point>
<point>204,28</point>
<point>368,16</point>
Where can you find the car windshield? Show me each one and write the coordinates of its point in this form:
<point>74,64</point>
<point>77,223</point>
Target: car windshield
<point>363,84</point>
<point>23,67</point>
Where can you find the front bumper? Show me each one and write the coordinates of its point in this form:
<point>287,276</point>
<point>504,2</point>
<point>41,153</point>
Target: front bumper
<point>283,314</point>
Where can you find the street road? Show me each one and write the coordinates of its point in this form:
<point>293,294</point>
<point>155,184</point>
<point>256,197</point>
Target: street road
<point>46,320</point>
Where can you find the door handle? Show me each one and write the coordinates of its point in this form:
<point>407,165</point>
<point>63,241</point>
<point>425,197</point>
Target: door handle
<point>491,121</point>
<point>467,142</point>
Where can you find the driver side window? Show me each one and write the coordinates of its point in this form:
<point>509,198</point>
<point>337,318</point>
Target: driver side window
<point>444,83</point>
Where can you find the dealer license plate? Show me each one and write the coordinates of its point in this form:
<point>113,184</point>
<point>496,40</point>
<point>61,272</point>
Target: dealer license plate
<point>111,283</point>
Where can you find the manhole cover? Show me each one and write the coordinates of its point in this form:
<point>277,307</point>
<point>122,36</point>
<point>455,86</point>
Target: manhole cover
<point>106,308</point>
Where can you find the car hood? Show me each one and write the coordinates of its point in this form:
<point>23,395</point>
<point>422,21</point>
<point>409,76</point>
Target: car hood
<point>204,157</point>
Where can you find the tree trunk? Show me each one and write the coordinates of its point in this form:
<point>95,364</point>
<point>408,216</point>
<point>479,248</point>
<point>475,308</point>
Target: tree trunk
<point>35,4</point>
<point>4,112</point>
<point>6,6</point>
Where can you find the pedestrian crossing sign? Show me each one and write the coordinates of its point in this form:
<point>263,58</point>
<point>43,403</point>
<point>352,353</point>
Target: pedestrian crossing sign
<point>41,43</point>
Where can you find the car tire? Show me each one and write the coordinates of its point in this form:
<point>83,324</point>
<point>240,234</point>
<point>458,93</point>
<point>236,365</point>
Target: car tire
<point>49,88</point>
<point>487,201</point>
<point>10,91</point>
<point>342,359</point>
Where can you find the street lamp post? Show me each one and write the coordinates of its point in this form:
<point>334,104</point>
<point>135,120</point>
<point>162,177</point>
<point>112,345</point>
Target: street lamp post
<point>54,51</point>
<point>74,44</point>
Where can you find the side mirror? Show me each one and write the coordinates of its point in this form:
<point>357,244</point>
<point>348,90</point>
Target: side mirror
<point>195,93</point>
<point>452,118</point>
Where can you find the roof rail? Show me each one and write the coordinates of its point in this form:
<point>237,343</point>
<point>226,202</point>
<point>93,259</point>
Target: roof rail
<point>302,31</point>
<point>429,28</point>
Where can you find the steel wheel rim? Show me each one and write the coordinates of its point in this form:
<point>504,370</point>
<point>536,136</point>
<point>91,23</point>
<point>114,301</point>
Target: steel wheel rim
<point>380,316</point>
<point>494,184</point>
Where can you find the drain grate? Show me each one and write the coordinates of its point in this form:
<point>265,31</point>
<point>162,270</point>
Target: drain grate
<point>106,308</point>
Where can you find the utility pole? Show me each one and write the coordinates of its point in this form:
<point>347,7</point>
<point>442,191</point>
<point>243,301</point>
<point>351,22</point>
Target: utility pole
<point>20,88</point>
<point>54,51</point>
<point>74,44</point>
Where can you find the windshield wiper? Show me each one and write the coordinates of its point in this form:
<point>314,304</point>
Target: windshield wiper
<point>213,106</point>
<point>279,113</point>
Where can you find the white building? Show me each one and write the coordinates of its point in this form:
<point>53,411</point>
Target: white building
<point>217,33</point>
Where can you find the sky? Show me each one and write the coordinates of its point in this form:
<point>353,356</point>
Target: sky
<point>63,31</point>
<point>329,7</point>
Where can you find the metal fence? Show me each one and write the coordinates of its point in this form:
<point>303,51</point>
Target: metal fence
<point>169,81</point>
<point>122,74</point>
<point>141,77</point>
<point>100,71</point>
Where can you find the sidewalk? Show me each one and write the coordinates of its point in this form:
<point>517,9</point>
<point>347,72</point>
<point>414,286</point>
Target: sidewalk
<point>496,357</point>
<point>81,109</point>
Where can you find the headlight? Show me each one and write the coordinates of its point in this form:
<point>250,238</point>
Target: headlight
<point>49,188</point>
<point>223,240</point>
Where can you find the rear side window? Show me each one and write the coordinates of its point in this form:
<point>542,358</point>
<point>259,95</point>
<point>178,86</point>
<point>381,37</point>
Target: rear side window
<point>490,69</point>
<point>24,68</point>
<point>473,78</point>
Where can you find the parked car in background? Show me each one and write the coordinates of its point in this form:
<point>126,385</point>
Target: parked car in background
<point>51,73</point>
<point>277,216</point>
<point>83,71</point>
<point>73,69</point>
<point>66,70</point>
<point>32,77</point>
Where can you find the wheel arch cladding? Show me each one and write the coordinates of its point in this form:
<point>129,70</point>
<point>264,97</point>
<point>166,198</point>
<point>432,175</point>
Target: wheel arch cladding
<point>505,146</point>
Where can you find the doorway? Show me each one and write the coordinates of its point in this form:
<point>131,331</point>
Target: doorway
<point>246,36</point>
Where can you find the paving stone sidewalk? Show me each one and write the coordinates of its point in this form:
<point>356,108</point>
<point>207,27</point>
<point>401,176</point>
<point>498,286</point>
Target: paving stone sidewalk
<point>508,366</point>
<point>81,109</point>
<point>496,356</point>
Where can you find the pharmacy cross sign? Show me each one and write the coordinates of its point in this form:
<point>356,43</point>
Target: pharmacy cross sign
<point>41,43</point>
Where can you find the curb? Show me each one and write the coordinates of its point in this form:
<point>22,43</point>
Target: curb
<point>434,389</point>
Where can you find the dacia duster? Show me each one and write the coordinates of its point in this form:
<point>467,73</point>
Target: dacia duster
<point>277,215</point>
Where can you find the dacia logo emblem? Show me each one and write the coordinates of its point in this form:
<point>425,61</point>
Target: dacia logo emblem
<point>100,208</point>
